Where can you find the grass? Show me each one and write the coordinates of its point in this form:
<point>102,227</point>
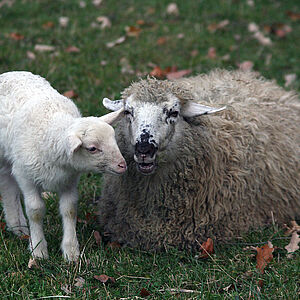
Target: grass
<point>94,73</point>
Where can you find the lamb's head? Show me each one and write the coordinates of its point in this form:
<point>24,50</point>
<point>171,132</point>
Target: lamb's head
<point>154,111</point>
<point>92,147</point>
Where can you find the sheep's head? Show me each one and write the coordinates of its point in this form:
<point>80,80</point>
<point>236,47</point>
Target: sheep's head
<point>91,145</point>
<point>153,110</point>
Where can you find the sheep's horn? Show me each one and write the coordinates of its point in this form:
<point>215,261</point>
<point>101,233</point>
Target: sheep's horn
<point>112,105</point>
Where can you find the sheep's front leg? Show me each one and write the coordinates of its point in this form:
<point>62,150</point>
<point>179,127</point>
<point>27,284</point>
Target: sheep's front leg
<point>68,211</point>
<point>35,210</point>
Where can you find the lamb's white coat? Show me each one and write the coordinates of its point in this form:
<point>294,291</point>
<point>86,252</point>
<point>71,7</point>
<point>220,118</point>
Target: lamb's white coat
<point>44,145</point>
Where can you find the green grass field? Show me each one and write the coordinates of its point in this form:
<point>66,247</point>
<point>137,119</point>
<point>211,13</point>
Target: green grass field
<point>93,71</point>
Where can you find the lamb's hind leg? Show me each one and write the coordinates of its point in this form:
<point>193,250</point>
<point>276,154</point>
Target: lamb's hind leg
<point>13,211</point>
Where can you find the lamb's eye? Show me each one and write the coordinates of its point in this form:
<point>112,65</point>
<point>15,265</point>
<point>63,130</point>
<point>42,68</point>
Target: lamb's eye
<point>92,149</point>
<point>173,114</point>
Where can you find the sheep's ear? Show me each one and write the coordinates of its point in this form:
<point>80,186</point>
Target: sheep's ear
<point>112,105</point>
<point>193,109</point>
<point>74,142</point>
<point>112,117</point>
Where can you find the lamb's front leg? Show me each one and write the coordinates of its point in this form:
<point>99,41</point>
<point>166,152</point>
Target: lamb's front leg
<point>35,210</point>
<point>68,211</point>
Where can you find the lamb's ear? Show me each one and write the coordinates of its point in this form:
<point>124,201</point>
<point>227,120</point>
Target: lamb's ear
<point>193,109</point>
<point>112,117</point>
<point>112,105</point>
<point>74,142</point>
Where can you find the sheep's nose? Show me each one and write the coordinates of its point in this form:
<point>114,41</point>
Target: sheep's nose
<point>145,149</point>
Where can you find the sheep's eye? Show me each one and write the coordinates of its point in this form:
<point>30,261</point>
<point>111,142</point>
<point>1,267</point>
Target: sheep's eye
<point>127,112</point>
<point>92,149</point>
<point>173,114</point>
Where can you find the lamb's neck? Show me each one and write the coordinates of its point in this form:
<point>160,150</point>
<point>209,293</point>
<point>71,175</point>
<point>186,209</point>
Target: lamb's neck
<point>57,137</point>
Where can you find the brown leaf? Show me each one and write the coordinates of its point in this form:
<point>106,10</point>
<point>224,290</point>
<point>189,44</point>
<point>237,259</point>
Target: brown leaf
<point>16,36</point>
<point>70,94</point>
<point>79,282</point>
<point>24,237</point>
<point>105,279</point>
<point>294,227</point>
<point>32,264</point>
<point>133,31</point>
<point>48,25</point>
<point>246,65</point>
<point>113,245</point>
<point>161,41</point>
<point>158,72</point>
<point>2,226</point>
<point>293,15</point>
<point>264,256</point>
<point>144,292</point>
<point>140,22</point>
<point>293,245</point>
<point>289,79</point>
<point>30,55</point>
<point>212,53</point>
<point>72,49</point>
<point>98,238</point>
<point>207,248</point>
<point>178,74</point>
<point>213,27</point>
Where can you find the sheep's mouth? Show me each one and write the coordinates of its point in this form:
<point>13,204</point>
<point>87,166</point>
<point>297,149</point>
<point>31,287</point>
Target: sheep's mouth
<point>146,168</point>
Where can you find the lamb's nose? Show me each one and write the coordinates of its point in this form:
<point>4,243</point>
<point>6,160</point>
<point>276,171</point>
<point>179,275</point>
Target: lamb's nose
<point>122,165</point>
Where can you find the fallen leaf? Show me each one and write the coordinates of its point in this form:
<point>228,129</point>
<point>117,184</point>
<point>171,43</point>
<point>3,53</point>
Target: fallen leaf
<point>265,41</point>
<point>158,72</point>
<point>82,4</point>
<point>294,227</point>
<point>72,49</point>
<point>289,79</point>
<point>24,237</point>
<point>98,238</point>
<point>144,292</point>
<point>194,53</point>
<point>113,245</point>
<point>178,74</point>
<point>133,31</point>
<point>252,27</point>
<point>180,36</point>
<point>105,22</point>
<point>16,36</point>
<point>104,278</point>
<point>44,48</point>
<point>30,55</point>
<point>246,65</point>
<point>97,2</point>
<point>70,94</point>
<point>213,27</point>
<point>48,25</point>
<point>118,41</point>
<point>140,22</point>
<point>79,282</point>
<point>2,226</point>
<point>293,245</point>
<point>172,9</point>
<point>126,68</point>
<point>32,264</point>
<point>212,53</point>
<point>264,256</point>
<point>161,41</point>
<point>67,289</point>
<point>63,21</point>
<point>293,15</point>
<point>207,248</point>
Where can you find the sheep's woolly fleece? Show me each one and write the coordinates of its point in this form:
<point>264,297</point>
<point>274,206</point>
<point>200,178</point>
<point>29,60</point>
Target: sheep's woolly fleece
<point>226,174</point>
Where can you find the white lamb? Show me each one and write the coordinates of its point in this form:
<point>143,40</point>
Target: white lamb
<point>44,145</point>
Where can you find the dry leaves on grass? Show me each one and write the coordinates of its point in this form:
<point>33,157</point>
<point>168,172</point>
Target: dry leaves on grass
<point>105,279</point>
<point>213,27</point>
<point>172,9</point>
<point>258,35</point>
<point>246,65</point>
<point>289,79</point>
<point>133,31</point>
<point>79,282</point>
<point>144,293</point>
<point>72,49</point>
<point>44,48</point>
<point>295,239</point>
<point>32,264</point>
<point>70,94</point>
<point>207,248</point>
<point>264,256</point>
<point>118,41</point>
<point>63,21</point>
<point>16,36</point>
<point>104,21</point>
<point>169,72</point>
<point>294,16</point>
<point>212,53</point>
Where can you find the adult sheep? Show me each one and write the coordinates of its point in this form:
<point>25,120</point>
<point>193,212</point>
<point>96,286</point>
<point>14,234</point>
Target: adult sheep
<point>44,145</point>
<point>197,171</point>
